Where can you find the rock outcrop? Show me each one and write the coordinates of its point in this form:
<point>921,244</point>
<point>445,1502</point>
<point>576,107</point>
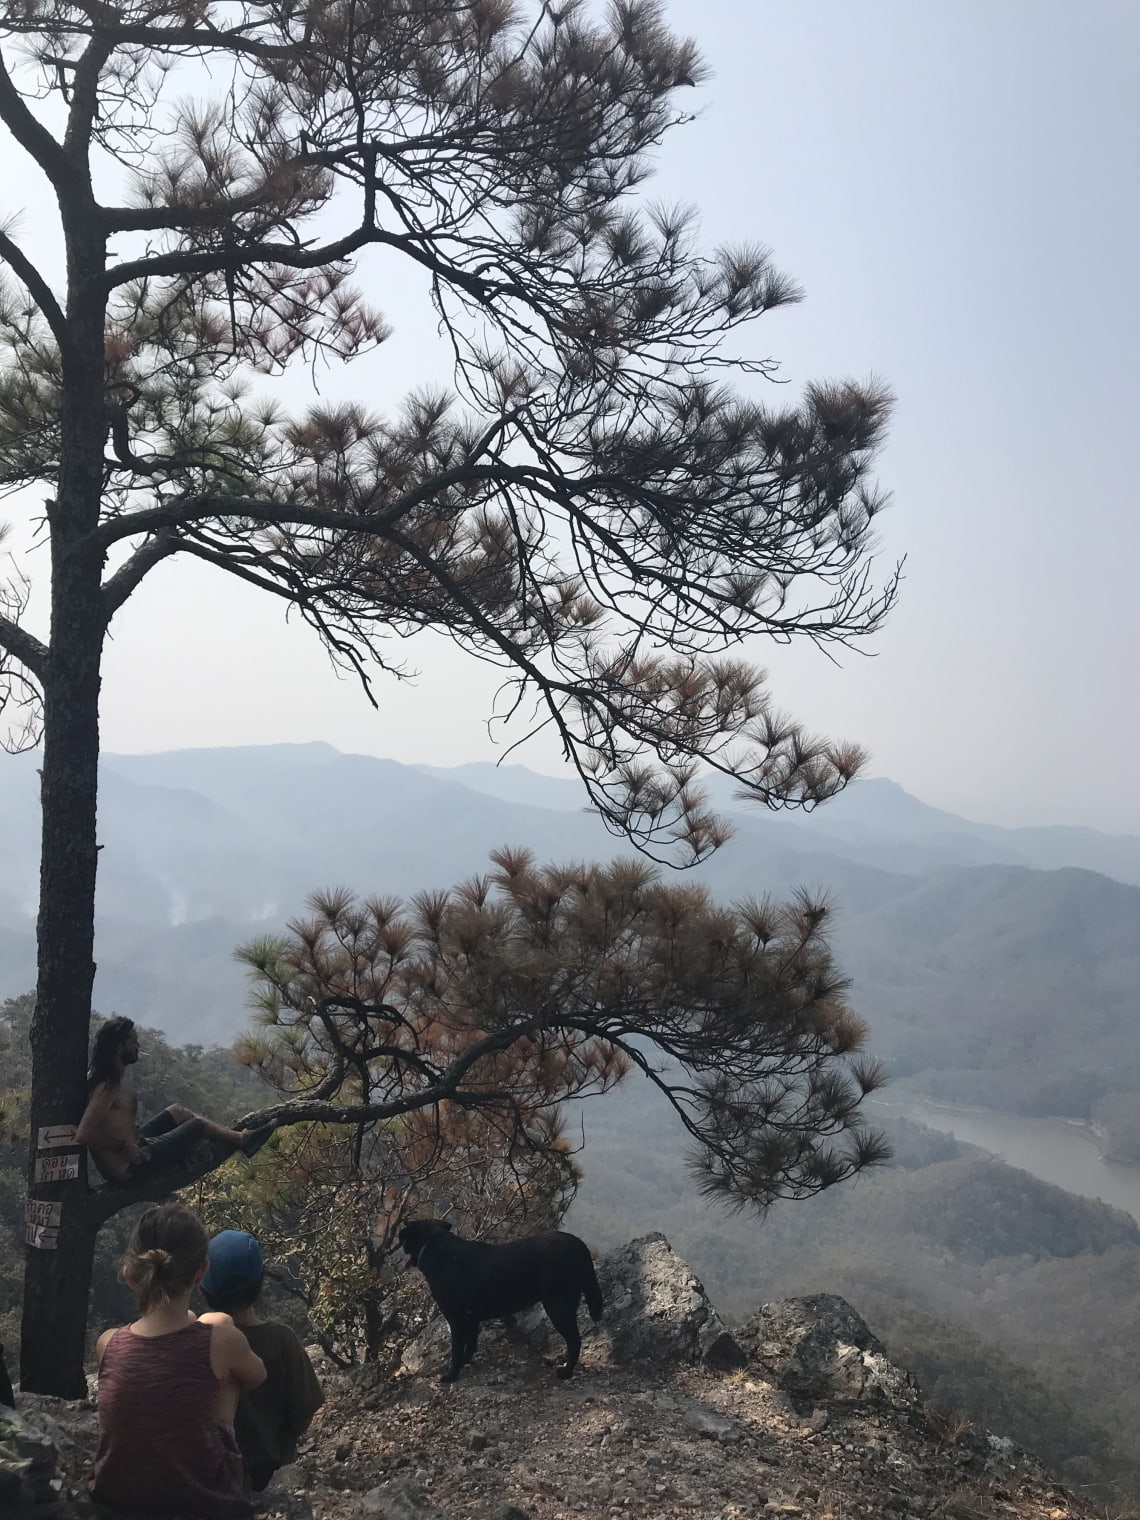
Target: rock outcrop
<point>819,1351</point>
<point>799,1413</point>
<point>30,1479</point>
<point>658,1311</point>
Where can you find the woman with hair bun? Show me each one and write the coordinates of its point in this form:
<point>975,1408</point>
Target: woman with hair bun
<point>169,1386</point>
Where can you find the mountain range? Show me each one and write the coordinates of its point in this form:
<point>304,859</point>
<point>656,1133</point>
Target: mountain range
<point>993,965</point>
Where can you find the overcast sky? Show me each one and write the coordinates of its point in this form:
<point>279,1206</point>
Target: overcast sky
<point>955,185</point>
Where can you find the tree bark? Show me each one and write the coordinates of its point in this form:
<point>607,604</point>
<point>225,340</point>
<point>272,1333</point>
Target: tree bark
<point>56,1282</point>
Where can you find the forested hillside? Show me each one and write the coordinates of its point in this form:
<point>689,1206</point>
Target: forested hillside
<point>1005,987</point>
<point>1013,1301</point>
<point>984,979</point>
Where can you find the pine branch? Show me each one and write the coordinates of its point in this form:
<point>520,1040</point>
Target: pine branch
<point>205,39</point>
<point>25,647</point>
<point>156,1183</point>
<point>37,287</point>
<point>119,587</point>
<point>33,137</point>
<point>175,218</point>
<point>84,110</point>
<point>448,1088</point>
<point>197,509</point>
<point>236,257</point>
<point>232,566</point>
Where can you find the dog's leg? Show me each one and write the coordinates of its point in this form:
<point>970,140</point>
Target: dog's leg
<point>472,1341</point>
<point>460,1332</point>
<point>563,1316</point>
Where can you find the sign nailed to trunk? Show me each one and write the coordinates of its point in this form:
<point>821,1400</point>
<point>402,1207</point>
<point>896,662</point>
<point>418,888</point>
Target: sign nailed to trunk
<point>43,1237</point>
<point>57,1168</point>
<point>52,1136</point>
<point>38,1211</point>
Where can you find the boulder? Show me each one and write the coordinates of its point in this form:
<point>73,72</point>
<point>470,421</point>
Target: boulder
<point>398,1500</point>
<point>30,1481</point>
<point>658,1311</point>
<point>712,1426</point>
<point>428,1353</point>
<point>285,1495</point>
<point>71,1424</point>
<point>819,1351</point>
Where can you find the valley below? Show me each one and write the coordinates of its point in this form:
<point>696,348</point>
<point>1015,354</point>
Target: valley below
<point>1066,1153</point>
<point>997,1256</point>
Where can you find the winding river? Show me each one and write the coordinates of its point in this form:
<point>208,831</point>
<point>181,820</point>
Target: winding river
<point>1052,1149</point>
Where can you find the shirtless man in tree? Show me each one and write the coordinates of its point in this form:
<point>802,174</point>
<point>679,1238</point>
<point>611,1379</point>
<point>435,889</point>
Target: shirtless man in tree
<point>120,1147</point>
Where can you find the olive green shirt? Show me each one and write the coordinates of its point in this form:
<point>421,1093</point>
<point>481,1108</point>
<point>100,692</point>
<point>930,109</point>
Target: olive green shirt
<point>271,1419</point>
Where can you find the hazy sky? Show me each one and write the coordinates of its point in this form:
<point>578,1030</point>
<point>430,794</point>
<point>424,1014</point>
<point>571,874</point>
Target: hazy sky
<point>955,185</point>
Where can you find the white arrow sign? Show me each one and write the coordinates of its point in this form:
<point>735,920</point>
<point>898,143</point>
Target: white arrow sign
<point>54,1135</point>
<point>43,1237</point>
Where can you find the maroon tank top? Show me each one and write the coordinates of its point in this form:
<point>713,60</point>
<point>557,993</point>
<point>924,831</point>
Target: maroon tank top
<point>162,1450</point>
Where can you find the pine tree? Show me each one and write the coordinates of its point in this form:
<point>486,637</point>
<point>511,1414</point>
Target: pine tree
<point>430,1050</point>
<point>590,506</point>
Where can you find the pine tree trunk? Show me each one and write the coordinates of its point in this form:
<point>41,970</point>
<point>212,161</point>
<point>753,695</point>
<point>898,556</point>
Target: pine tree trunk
<point>56,1282</point>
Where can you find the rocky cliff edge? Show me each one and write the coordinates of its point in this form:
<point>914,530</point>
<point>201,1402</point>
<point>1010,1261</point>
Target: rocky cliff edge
<point>797,1412</point>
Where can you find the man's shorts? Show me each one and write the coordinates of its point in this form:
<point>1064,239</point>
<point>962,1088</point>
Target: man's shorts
<point>162,1140</point>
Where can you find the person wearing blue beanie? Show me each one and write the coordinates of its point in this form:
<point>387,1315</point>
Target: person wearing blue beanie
<point>270,1420</point>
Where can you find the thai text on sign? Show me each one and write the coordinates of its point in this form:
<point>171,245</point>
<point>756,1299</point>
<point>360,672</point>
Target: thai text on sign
<point>41,1224</point>
<point>40,1211</point>
<point>57,1168</point>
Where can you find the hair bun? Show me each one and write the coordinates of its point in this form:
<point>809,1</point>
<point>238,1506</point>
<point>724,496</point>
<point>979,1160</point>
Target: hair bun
<point>156,1257</point>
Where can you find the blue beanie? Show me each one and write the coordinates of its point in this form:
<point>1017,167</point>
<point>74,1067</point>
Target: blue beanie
<point>235,1263</point>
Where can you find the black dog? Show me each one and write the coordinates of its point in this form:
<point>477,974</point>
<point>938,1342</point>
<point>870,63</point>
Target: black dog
<point>472,1281</point>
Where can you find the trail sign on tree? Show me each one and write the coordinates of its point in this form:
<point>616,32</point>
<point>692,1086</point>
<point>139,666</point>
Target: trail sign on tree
<point>591,507</point>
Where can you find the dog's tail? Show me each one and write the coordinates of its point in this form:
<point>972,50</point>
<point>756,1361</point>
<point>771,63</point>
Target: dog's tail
<point>589,1284</point>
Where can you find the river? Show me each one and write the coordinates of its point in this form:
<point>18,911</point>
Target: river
<point>1064,1154</point>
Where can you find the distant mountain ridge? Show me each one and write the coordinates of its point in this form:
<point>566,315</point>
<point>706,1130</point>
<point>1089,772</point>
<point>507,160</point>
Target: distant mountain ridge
<point>993,965</point>
<point>874,817</point>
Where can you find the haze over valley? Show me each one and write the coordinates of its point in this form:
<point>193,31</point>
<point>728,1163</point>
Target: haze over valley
<point>996,968</point>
